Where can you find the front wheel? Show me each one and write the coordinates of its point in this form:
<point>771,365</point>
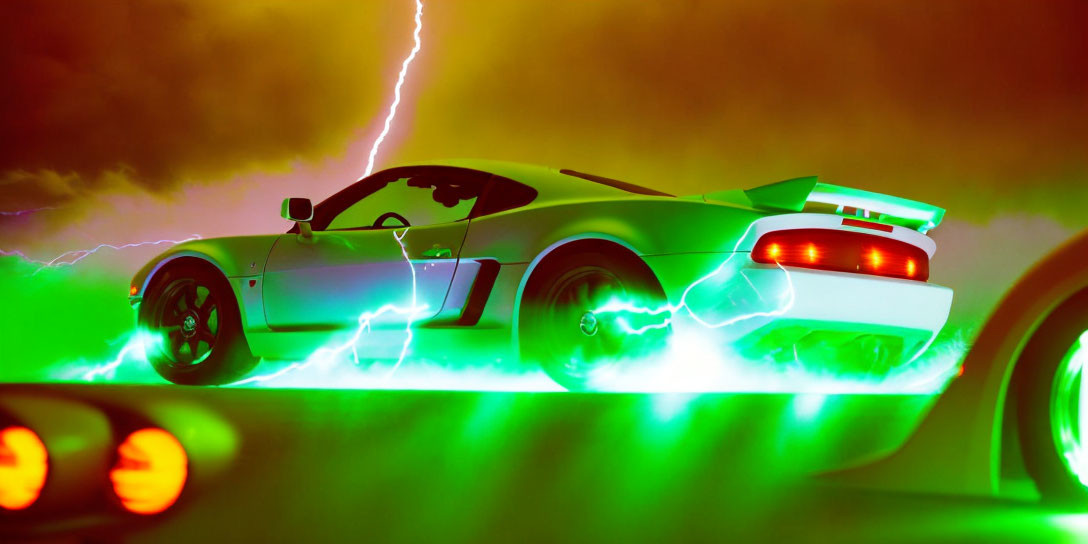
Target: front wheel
<point>192,315</point>
<point>1053,405</point>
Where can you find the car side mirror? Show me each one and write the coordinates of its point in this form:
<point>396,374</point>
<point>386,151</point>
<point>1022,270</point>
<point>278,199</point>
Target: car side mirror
<point>297,209</point>
<point>301,211</point>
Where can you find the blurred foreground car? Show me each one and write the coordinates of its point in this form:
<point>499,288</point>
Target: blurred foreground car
<point>1018,413</point>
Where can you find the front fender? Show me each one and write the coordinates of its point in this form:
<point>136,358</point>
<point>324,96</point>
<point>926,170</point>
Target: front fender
<point>235,257</point>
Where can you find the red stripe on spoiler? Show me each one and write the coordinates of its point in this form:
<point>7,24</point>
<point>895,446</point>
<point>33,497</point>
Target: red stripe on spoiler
<point>867,225</point>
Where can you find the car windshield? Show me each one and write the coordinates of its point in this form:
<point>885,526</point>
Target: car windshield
<point>423,196</point>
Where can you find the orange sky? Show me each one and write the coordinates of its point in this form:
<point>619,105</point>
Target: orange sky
<point>977,106</point>
<point>159,119</point>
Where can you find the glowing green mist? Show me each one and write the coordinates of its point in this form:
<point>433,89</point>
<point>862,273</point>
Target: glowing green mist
<point>76,326</point>
<point>59,319</point>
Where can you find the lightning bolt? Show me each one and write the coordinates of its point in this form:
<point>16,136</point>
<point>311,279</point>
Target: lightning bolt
<point>137,345</point>
<point>628,307</point>
<point>70,258</point>
<point>326,354</point>
<point>411,316</point>
<point>396,90</point>
<point>366,318</point>
<point>21,255</point>
<point>17,213</point>
<point>621,306</point>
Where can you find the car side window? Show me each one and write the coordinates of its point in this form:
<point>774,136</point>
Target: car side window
<point>506,194</point>
<point>428,198</point>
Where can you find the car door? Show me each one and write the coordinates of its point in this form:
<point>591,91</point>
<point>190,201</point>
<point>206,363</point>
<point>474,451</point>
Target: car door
<point>363,259</point>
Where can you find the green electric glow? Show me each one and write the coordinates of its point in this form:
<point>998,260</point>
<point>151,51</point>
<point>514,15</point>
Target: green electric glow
<point>102,346</point>
<point>690,363</point>
<point>1068,414</point>
<point>699,344</point>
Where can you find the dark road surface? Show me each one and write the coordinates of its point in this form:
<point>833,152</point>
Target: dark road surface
<point>414,466</point>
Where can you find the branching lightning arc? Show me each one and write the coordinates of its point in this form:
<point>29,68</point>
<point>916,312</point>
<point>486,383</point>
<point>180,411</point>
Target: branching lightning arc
<point>396,90</point>
<point>18,213</point>
<point>328,354</point>
<point>70,258</point>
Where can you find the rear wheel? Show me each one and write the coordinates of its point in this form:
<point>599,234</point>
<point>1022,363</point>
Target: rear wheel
<point>191,312</point>
<point>1053,405</point>
<point>563,330</point>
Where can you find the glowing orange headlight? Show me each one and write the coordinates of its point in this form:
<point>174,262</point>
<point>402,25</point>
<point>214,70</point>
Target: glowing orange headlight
<point>24,464</point>
<point>150,472</point>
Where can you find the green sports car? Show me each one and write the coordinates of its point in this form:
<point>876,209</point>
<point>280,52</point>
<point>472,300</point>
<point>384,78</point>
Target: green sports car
<point>582,275</point>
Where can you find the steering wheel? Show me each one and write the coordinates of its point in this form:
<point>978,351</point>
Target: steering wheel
<point>380,221</point>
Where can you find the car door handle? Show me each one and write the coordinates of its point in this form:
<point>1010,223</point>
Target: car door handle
<point>438,252</point>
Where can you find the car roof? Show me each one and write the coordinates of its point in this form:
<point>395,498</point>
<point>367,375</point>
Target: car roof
<point>551,183</point>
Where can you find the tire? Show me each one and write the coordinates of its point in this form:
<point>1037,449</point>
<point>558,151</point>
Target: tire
<point>192,309</point>
<point>580,349</point>
<point>1049,373</point>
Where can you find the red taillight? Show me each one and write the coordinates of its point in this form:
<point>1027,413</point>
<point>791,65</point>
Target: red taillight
<point>150,472</point>
<point>843,251</point>
<point>24,464</point>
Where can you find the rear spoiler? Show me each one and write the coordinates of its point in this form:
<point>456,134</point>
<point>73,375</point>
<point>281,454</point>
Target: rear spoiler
<point>793,195</point>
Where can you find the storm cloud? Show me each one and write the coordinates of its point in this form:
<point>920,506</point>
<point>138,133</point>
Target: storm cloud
<point>977,106</point>
<point>167,92</point>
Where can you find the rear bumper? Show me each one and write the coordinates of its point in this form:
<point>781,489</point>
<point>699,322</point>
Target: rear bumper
<point>865,301</point>
<point>823,320</point>
<point>744,299</point>
<point>846,323</point>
